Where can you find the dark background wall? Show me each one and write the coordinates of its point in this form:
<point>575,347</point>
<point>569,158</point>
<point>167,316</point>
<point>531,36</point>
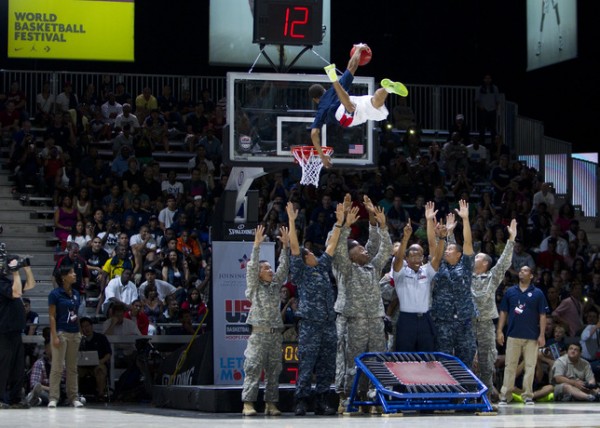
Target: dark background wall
<point>431,42</point>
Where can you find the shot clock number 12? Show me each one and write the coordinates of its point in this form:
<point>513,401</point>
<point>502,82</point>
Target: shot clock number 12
<point>288,22</point>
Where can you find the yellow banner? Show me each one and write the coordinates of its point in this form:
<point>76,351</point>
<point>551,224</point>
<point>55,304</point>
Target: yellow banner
<point>71,29</point>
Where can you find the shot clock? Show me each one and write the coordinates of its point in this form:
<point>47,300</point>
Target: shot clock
<point>288,22</point>
<point>289,355</point>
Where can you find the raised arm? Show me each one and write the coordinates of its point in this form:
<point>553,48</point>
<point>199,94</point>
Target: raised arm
<point>463,212</point>
<point>430,213</point>
<point>284,258</point>
<point>337,230</point>
<point>341,258</point>
<point>293,234</point>
<point>441,233</point>
<point>505,259</point>
<point>315,137</point>
<point>253,266</point>
<point>372,245</point>
<point>399,254</point>
<point>385,243</point>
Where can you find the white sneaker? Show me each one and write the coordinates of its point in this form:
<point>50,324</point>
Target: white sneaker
<point>52,404</point>
<point>77,404</point>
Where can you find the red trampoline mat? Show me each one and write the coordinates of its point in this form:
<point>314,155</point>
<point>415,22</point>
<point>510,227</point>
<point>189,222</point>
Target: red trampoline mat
<point>421,373</point>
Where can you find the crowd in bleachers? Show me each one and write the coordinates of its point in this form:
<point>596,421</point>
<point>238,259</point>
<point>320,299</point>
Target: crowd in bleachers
<point>125,213</point>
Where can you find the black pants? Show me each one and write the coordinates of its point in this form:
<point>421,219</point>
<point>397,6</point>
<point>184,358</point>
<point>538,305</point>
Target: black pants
<point>415,333</point>
<point>12,367</point>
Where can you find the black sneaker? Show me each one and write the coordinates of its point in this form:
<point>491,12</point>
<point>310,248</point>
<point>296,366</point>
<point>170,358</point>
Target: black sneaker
<point>322,406</point>
<point>20,405</point>
<point>300,408</point>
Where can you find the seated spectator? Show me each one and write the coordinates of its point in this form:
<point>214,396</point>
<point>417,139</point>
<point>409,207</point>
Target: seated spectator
<point>570,309</point>
<point>171,314</point>
<point>32,319</point>
<point>479,159</point>
<point>120,164</point>
<point>110,110</point>
<point>521,258</point>
<point>120,289</point>
<point>167,105</point>
<point>44,102</point>
<point>153,307</point>
<point>192,254</point>
<point>143,247</point>
<point>39,379</point>
<point>186,326</point>
<point>545,195</point>
<point>454,154</point>
<point>127,120</point>
<point>78,234</point>
<point>118,325</point>
<point>136,313</point>
<point>562,246</point>
<point>124,138</point>
<point>175,270</point>
<point>115,265</point>
<point>163,288</point>
<point>573,377</point>
<point>194,305</point>
<point>145,103</point>
<point>547,259</point>
<point>92,341</point>
<point>157,126</point>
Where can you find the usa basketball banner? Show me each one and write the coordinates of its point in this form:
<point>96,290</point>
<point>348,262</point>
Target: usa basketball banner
<point>230,307</point>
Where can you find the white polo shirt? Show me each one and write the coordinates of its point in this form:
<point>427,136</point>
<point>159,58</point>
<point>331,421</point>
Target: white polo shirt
<point>414,288</point>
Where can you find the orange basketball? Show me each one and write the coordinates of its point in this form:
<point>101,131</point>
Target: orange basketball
<point>365,56</point>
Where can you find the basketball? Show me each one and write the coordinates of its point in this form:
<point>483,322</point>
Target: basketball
<point>365,56</point>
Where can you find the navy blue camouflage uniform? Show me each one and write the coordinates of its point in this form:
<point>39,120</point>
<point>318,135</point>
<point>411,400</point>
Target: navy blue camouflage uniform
<point>453,309</point>
<point>317,338</point>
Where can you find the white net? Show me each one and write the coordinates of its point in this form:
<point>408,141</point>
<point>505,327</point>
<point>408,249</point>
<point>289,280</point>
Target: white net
<point>310,162</point>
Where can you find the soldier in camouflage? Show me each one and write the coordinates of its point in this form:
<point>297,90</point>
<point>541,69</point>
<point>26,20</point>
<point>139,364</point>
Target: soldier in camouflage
<point>264,345</point>
<point>317,336</point>
<point>484,283</point>
<point>359,304</point>
<point>372,246</point>
<point>452,308</point>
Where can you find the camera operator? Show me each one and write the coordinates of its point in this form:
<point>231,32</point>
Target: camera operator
<point>12,323</point>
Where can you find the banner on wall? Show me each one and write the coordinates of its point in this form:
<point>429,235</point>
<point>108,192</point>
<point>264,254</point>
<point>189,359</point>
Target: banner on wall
<point>71,29</point>
<point>230,307</point>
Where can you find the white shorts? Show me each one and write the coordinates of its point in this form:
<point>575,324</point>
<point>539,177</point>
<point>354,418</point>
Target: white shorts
<point>364,111</point>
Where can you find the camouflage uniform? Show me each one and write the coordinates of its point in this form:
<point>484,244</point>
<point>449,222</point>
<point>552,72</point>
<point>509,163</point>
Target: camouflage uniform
<point>483,288</point>
<point>264,345</point>
<point>359,304</point>
<point>372,247</point>
<point>317,335</point>
<point>453,309</point>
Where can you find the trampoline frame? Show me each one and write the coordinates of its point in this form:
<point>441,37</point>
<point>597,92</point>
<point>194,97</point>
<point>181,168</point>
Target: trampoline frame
<point>393,401</point>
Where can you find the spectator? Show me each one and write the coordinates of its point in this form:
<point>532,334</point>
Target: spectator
<point>136,314</point>
<point>454,155</point>
<point>92,341</point>
<point>118,325</point>
<point>488,102</point>
<point>547,259</point>
<point>169,214</point>
<point>145,103</point>
<point>175,270</point>
<point>162,288</point>
<point>194,305</point>
<point>570,309</point>
<point>522,258</point>
<point>544,195</point>
<point>78,234</point>
<point>127,119</point>
<point>44,102</point>
<point>66,100</point>
<point>39,379</point>
<point>573,377</point>
<point>120,289</point>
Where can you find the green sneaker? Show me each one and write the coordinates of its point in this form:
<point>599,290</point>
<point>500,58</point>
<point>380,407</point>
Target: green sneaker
<point>331,73</point>
<point>517,398</point>
<point>546,398</point>
<point>394,87</point>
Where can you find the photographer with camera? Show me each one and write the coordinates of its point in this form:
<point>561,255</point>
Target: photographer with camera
<point>12,323</point>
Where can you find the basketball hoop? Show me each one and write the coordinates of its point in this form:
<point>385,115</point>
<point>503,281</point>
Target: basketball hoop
<point>310,162</point>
